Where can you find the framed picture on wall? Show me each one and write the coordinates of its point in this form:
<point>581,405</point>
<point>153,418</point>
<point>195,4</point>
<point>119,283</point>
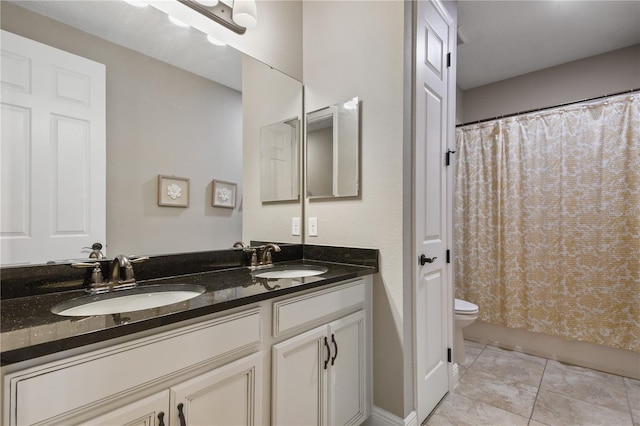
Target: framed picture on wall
<point>223,194</point>
<point>173,191</point>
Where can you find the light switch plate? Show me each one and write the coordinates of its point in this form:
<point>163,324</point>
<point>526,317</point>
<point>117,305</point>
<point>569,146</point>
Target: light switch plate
<point>295,226</point>
<point>313,226</point>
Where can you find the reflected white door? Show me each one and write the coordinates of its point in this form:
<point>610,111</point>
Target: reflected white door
<point>279,162</point>
<point>53,153</point>
<point>432,308</point>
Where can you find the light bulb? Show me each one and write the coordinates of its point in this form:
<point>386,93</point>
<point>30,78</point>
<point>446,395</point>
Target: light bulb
<point>245,13</point>
<point>178,22</point>
<point>351,104</point>
<point>137,3</point>
<point>215,41</point>
<point>208,3</point>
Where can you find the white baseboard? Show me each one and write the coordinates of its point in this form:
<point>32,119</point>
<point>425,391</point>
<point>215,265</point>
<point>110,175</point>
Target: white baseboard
<point>380,417</point>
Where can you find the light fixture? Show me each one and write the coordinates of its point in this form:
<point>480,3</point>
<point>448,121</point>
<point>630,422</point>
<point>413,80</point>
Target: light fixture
<point>178,22</point>
<point>215,41</point>
<point>245,13</point>
<point>235,15</point>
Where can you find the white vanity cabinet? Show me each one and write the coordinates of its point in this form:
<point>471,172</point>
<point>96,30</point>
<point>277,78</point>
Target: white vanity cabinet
<point>213,368</point>
<point>150,411</point>
<point>312,367</point>
<point>228,395</point>
<point>321,376</point>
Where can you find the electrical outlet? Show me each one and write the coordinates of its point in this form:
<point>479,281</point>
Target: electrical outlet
<point>295,226</point>
<point>313,226</point>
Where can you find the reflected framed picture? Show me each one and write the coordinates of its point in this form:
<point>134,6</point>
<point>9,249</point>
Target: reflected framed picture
<point>223,194</point>
<point>173,191</point>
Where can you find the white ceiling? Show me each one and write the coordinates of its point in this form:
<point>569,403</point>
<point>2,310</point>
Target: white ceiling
<point>504,39</point>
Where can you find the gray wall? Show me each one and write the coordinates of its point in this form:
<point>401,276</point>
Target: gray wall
<point>611,72</point>
<point>160,120</point>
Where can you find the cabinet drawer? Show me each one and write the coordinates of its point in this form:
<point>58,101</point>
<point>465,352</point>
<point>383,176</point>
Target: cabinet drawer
<point>49,390</point>
<point>299,312</point>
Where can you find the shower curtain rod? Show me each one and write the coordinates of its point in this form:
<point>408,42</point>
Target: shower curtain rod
<point>548,107</point>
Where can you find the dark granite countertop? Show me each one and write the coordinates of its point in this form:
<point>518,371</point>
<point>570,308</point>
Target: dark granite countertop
<point>29,329</point>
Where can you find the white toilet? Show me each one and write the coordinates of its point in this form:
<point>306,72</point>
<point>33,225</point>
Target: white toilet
<point>465,314</point>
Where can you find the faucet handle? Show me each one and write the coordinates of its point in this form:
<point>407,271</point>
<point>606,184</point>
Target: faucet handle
<point>139,259</point>
<point>85,265</point>
<point>254,258</point>
<point>96,274</point>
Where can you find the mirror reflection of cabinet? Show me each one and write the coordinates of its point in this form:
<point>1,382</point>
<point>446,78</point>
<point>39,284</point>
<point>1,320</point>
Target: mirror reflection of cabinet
<point>279,165</point>
<point>333,151</point>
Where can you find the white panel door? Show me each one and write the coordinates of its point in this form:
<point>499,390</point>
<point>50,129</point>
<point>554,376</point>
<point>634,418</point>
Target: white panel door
<point>430,223</point>
<point>53,153</point>
<point>227,396</point>
<point>298,379</point>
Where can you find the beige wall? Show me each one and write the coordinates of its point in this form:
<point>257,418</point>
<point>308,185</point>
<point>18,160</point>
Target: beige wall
<point>160,120</point>
<point>356,48</point>
<point>611,72</point>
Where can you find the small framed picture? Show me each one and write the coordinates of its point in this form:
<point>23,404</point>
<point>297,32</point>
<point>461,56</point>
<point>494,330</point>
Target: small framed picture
<point>173,191</point>
<point>223,194</point>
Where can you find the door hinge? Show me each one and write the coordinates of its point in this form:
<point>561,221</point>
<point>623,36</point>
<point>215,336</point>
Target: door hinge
<point>449,354</point>
<point>447,157</point>
<point>448,256</point>
<point>448,59</point>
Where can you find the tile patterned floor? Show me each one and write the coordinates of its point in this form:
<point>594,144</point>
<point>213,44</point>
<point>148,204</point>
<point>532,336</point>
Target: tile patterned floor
<point>501,387</point>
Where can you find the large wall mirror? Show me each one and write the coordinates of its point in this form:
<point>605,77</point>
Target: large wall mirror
<point>333,151</point>
<point>176,105</point>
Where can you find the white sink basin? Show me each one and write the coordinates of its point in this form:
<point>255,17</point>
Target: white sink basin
<point>134,299</point>
<point>299,271</point>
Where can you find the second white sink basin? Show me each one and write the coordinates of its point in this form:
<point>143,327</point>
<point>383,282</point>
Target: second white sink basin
<point>298,271</point>
<point>134,299</point>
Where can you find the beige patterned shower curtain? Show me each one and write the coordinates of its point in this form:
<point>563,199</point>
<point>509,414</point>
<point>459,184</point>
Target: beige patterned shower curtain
<point>547,221</point>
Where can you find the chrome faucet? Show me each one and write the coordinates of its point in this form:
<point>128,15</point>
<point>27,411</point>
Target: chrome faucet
<point>239,244</point>
<point>120,274</point>
<point>116,276</point>
<point>265,258</point>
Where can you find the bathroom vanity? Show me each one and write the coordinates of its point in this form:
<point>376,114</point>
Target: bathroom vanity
<point>248,350</point>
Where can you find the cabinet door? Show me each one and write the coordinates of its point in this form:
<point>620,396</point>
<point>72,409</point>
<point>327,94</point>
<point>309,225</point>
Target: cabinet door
<point>298,380</point>
<point>228,395</point>
<point>150,411</point>
<point>347,372</point>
